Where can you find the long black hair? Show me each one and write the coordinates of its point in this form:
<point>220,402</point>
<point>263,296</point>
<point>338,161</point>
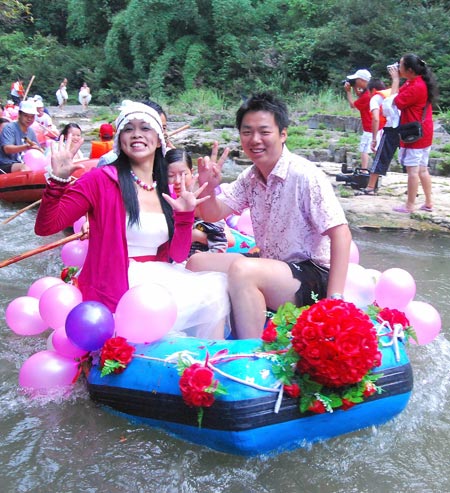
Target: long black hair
<point>419,67</point>
<point>129,191</point>
<point>65,130</point>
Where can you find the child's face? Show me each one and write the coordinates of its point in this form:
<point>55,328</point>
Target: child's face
<point>76,135</point>
<point>175,171</point>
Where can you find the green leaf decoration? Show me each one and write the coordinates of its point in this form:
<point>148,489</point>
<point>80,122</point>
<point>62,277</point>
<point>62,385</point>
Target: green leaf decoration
<point>110,366</point>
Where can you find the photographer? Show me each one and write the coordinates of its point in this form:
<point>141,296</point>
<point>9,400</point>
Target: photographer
<point>359,81</point>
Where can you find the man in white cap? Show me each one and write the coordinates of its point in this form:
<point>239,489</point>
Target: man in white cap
<point>359,81</point>
<point>17,138</point>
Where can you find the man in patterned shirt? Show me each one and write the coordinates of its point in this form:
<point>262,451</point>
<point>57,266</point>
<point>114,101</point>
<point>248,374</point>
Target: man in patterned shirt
<point>299,225</point>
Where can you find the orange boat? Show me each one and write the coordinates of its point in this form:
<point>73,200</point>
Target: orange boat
<point>28,186</point>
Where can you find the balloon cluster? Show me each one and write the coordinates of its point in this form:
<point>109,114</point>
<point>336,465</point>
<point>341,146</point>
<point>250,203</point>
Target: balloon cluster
<point>145,313</point>
<point>395,289</point>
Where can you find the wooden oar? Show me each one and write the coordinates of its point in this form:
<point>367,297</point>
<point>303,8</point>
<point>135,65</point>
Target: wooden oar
<point>184,127</point>
<point>40,249</point>
<point>27,208</point>
<point>28,87</point>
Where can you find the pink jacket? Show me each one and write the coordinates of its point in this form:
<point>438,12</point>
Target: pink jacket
<point>104,276</point>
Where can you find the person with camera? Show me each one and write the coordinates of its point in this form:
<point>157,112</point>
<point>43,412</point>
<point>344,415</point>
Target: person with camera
<point>358,81</point>
<point>385,139</point>
<point>414,99</point>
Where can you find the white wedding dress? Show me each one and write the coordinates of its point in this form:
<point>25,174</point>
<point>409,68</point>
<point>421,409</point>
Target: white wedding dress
<point>201,297</point>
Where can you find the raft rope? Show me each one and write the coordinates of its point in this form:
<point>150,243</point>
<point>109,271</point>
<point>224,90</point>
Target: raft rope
<point>395,334</point>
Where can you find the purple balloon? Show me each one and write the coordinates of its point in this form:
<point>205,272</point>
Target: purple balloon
<point>232,220</point>
<point>73,254</point>
<point>41,285</point>
<point>57,301</point>
<point>46,370</point>
<point>23,317</point>
<point>89,325</point>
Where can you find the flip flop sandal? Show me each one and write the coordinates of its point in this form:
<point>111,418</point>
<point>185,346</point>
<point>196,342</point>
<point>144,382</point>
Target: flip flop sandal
<point>425,208</point>
<point>402,209</point>
<point>366,191</point>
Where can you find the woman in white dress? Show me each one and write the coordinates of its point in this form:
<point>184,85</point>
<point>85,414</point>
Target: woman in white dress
<point>136,228</point>
<point>84,96</point>
<point>61,94</point>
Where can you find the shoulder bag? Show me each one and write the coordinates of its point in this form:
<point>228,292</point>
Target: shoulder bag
<point>411,132</point>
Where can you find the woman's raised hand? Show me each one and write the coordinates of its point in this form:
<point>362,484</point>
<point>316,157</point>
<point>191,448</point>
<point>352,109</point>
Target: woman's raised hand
<point>62,157</point>
<point>188,199</point>
<point>210,168</point>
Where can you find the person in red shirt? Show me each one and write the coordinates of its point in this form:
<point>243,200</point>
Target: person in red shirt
<point>359,81</point>
<point>415,99</point>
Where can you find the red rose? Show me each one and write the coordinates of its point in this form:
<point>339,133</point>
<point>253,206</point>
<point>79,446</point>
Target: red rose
<point>270,333</point>
<point>369,390</point>
<point>317,407</point>
<point>117,349</point>
<point>393,316</point>
<point>292,390</point>
<point>194,382</point>
<point>346,404</point>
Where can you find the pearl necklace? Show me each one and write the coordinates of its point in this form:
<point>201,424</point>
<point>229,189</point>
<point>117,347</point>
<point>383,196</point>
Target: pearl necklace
<point>141,183</point>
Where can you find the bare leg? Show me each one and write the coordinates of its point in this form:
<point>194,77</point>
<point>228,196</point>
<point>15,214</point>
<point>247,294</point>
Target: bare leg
<point>425,180</point>
<point>413,186</point>
<point>254,284</point>
<point>372,181</point>
<point>364,160</point>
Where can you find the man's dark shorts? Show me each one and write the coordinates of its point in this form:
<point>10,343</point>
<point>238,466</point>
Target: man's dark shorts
<point>5,168</point>
<point>389,143</point>
<point>313,279</point>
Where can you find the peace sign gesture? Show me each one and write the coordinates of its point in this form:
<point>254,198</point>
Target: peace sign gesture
<point>210,168</point>
<point>188,199</point>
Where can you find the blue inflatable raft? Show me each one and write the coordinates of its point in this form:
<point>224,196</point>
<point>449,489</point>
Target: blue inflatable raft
<point>253,417</point>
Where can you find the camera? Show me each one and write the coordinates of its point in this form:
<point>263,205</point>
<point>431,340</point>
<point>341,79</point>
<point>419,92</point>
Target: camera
<point>394,65</point>
<point>350,81</point>
<point>358,179</point>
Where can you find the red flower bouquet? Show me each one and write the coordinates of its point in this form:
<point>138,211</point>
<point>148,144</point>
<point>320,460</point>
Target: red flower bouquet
<point>198,386</point>
<point>115,355</point>
<point>337,343</point>
<point>323,354</point>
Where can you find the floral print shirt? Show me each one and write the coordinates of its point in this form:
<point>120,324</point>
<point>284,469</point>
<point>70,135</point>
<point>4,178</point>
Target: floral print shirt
<point>291,212</point>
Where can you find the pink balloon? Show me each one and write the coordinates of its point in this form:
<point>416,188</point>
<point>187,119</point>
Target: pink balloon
<point>56,302</point>
<point>244,223</point>
<point>359,286</point>
<point>145,313</point>
<point>62,344</point>
<point>42,284</point>
<point>425,320</point>
<point>23,317</point>
<point>35,159</point>
<point>77,224</point>
<point>46,370</point>
<point>73,254</point>
<point>354,253</point>
<point>395,289</point>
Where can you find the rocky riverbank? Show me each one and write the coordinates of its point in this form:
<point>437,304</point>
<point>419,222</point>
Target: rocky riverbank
<point>366,212</point>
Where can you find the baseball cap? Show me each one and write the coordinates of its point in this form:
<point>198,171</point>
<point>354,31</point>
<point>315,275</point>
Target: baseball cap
<point>106,131</point>
<point>361,74</point>
<point>28,107</point>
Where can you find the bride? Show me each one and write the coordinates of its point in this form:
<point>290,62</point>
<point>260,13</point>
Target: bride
<point>136,228</point>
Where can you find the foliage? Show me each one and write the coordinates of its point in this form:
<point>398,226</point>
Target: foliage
<point>161,48</point>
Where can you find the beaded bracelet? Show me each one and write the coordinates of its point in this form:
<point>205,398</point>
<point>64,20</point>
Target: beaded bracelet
<point>50,175</point>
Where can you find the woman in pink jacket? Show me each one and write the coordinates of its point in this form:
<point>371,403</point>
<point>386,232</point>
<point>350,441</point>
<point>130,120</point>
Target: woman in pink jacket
<point>136,228</point>
<point>415,99</point>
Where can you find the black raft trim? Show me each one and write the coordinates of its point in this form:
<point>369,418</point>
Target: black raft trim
<point>225,415</point>
<point>22,188</point>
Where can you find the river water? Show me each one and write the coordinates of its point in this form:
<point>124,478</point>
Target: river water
<point>69,444</point>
